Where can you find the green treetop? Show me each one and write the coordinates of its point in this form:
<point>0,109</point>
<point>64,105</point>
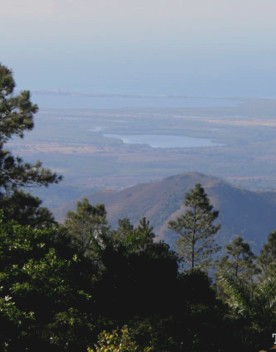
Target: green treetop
<point>16,117</point>
<point>134,239</point>
<point>196,229</point>
<point>239,260</point>
<point>267,259</point>
<point>87,227</point>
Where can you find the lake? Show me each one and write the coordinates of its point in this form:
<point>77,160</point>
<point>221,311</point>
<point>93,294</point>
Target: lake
<point>164,141</point>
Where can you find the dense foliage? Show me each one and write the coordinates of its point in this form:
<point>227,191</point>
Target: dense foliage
<point>82,286</point>
<point>55,297</point>
<point>16,117</point>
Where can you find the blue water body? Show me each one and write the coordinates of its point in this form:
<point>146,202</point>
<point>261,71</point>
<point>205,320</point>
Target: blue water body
<point>164,141</point>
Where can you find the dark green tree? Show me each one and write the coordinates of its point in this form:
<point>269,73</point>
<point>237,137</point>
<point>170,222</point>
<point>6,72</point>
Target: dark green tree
<point>267,258</point>
<point>138,274</point>
<point>26,210</point>
<point>196,230</point>
<point>239,260</point>
<point>88,227</point>
<point>117,341</point>
<point>123,231</point>
<point>249,293</point>
<point>253,307</point>
<point>44,302</point>
<point>16,117</point>
<point>134,239</point>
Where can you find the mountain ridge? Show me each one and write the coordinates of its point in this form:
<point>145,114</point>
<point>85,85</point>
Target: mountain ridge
<point>241,212</point>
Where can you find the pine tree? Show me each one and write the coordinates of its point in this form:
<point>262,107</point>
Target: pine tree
<point>134,239</point>
<point>87,227</point>
<point>267,258</point>
<point>239,260</point>
<point>16,117</point>
<point>196,230</point>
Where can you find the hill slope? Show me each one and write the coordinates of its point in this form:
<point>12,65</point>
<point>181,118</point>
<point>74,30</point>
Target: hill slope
<point>242,212</point>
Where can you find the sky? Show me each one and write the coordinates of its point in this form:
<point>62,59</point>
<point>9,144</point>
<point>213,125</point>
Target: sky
<point>218,48</point>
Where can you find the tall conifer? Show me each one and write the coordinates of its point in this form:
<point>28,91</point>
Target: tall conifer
<point>196,229</point>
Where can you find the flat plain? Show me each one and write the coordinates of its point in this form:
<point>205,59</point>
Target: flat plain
<point>97,148</point>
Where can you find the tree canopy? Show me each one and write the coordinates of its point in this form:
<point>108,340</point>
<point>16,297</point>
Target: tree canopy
<point>87,227</point>
<point>239,260</point>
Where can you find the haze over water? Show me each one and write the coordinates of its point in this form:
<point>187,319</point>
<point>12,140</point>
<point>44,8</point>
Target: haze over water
<point>147,47</point>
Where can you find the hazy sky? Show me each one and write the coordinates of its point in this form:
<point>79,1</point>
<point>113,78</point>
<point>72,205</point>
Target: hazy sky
<point>195,47</point>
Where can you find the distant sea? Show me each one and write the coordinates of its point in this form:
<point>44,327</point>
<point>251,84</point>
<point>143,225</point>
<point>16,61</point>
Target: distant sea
<point>74,100</point>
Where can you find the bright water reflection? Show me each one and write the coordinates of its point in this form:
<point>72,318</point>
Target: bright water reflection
<point>164,141</point>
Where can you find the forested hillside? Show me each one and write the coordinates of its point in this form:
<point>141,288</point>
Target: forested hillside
<point>242,212</point>
<point>82,286</point>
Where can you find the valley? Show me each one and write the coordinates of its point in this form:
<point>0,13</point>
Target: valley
<point>112,149</point>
